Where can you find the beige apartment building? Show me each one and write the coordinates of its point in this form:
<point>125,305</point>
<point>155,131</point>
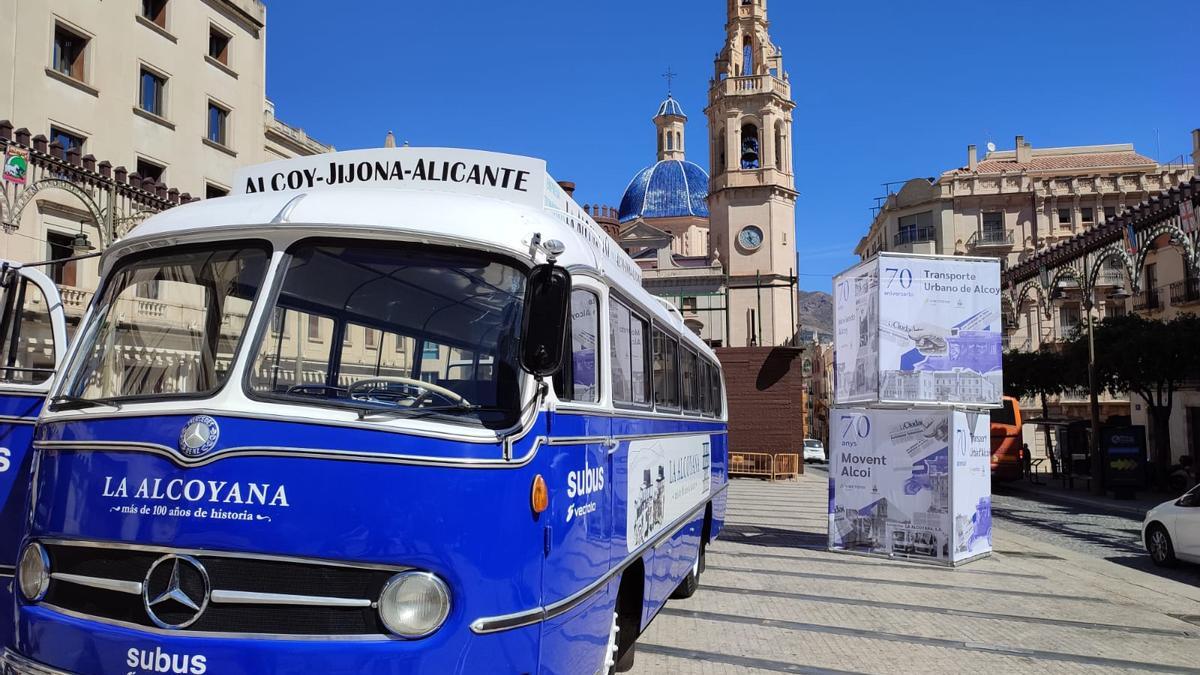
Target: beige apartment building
<point>129,107</point>
<point>1013,203</point>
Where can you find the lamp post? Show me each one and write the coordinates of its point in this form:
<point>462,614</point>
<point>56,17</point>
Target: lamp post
<point>1097,482</point>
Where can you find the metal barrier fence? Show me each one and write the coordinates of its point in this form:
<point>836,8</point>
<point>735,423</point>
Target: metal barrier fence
<point>787,466</point>
<point>763,465</point>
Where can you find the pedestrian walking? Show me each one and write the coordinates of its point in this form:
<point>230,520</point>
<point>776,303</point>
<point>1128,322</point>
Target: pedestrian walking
<point>1026,461</point>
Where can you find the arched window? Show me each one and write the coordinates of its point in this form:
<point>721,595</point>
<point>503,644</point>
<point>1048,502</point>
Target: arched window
<point>722,145</point>
<point>660,144</point>
<point>670,141</point>
<point>679,139</point>
<point>751,147</point>
<point>748,56</point>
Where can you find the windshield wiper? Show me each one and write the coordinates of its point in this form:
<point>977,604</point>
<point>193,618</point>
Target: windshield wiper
<point>364,413</point>
<point>78,403</point>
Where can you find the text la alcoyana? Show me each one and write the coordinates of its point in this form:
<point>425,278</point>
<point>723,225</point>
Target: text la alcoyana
<point>428,171</point>
<point>212,491</point>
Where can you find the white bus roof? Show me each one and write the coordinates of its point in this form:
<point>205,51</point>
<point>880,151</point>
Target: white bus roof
<point>448,195</point>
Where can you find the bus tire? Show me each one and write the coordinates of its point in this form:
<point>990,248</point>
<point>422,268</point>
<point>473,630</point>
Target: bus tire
<point>629,615</point>
<point>691,583</point>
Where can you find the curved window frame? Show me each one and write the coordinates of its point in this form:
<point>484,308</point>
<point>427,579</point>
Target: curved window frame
<point>261,332</point>
<point>70,369</point>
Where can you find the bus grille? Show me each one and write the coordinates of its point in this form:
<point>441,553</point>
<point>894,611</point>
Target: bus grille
<point>249,595</point>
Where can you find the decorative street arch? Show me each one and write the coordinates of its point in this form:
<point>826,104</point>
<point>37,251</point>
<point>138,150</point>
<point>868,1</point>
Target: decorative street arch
<point>1127,239</point>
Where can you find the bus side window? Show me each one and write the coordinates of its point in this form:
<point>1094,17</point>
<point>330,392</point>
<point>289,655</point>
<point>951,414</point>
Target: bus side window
<point>715,386</point>
<point>630,358</point>
<point>703,388</point>
<point>639,347</point>
<point>28,337</point>
<point>579,378</point>
<point>690,398</point>
<point>666,371</point>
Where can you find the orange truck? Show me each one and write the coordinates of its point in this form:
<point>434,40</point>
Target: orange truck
<point>1006,441</point>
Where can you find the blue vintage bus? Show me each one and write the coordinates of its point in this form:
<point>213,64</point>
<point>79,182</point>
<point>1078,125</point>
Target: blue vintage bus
<point>387,411</point>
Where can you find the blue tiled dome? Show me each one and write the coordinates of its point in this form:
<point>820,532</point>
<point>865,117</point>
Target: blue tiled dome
<point>668,189</point>
<point>670,107</point>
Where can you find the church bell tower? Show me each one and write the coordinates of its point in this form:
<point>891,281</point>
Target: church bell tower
<point>752,197</point>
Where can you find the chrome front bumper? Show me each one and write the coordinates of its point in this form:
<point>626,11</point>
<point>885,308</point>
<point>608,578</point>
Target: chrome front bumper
<point>12,663</point>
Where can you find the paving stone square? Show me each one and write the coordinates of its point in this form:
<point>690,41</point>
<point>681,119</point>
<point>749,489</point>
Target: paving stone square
<point>773,600</point>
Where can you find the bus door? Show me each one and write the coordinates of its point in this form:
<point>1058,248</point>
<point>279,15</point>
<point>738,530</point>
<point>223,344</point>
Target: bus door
<point>33,341</point>
<point>579,522</point>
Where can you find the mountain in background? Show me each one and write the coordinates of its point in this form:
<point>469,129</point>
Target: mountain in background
<point>816,315</point>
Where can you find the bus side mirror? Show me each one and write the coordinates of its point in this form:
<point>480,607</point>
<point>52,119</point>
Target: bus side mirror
<point>544,327</point>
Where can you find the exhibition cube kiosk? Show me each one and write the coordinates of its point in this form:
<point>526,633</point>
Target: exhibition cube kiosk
<point>917,330</point>
<point>911,483</point>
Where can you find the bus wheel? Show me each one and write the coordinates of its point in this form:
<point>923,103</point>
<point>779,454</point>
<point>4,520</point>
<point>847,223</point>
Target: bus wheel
<point>687,588</point>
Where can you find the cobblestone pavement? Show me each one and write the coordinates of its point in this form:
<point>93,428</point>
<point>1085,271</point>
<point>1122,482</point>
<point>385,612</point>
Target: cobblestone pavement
<point>773,600</point>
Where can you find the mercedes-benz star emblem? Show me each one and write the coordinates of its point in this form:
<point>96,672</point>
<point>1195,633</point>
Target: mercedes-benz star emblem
<point>176,591</point>
<point>199,436</point>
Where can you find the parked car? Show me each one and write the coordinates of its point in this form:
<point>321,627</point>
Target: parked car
<point>814,450</point>
<point>1171,530</point>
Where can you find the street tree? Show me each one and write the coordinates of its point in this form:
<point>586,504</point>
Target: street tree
<point>1148,358</point>
<point>1039,375</point>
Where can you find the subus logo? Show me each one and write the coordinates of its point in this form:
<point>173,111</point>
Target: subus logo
<point>585,481</point>
<point>158,661</point>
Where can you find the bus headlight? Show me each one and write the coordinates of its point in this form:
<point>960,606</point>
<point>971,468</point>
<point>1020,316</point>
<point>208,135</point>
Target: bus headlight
<point>414,604</point>
<point>34,572</point>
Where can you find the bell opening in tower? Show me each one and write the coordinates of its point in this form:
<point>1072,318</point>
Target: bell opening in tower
<point>748,57</point>
<point>751,158</point>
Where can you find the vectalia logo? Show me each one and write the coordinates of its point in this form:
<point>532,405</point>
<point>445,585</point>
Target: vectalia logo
<point>158,661</point>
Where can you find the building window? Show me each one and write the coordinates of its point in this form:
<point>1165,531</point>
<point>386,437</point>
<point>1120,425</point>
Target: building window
<point>218,46</point>
<point>1068,319</point>
<point>1110,213</point>
<point>371,339</point>
<point>748,57</point>
<point>993,227</point>
<point>1115,308</point>
<point>1087,215</point>
<point>67,140</point>
<point>1064,217</point>
<point>151,96</point>
<point>69,53</point>
<point>915,228</point>
<point>58,247</point>
<point>213,192</point>
<point>218,122</point>
<point>688,305</point>
<point>148,169</point>
<point>147,290</point>
<point>155,11</point>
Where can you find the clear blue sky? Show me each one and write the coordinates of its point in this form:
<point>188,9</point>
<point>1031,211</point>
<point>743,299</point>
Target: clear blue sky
<point>885,91</point>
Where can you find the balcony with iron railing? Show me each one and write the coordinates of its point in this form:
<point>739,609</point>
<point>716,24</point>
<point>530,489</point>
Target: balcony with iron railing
<point>914,235</point>
<point>1147,301</point>
<point>1185,292</point>
<point>991,239</point>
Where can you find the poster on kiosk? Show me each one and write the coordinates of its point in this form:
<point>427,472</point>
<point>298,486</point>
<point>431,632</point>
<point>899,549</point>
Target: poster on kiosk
<point>919,329</point>
<point>913,484</point>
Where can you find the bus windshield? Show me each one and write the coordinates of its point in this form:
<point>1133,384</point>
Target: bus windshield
<point>394,331</point>
<point>168,323</point>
